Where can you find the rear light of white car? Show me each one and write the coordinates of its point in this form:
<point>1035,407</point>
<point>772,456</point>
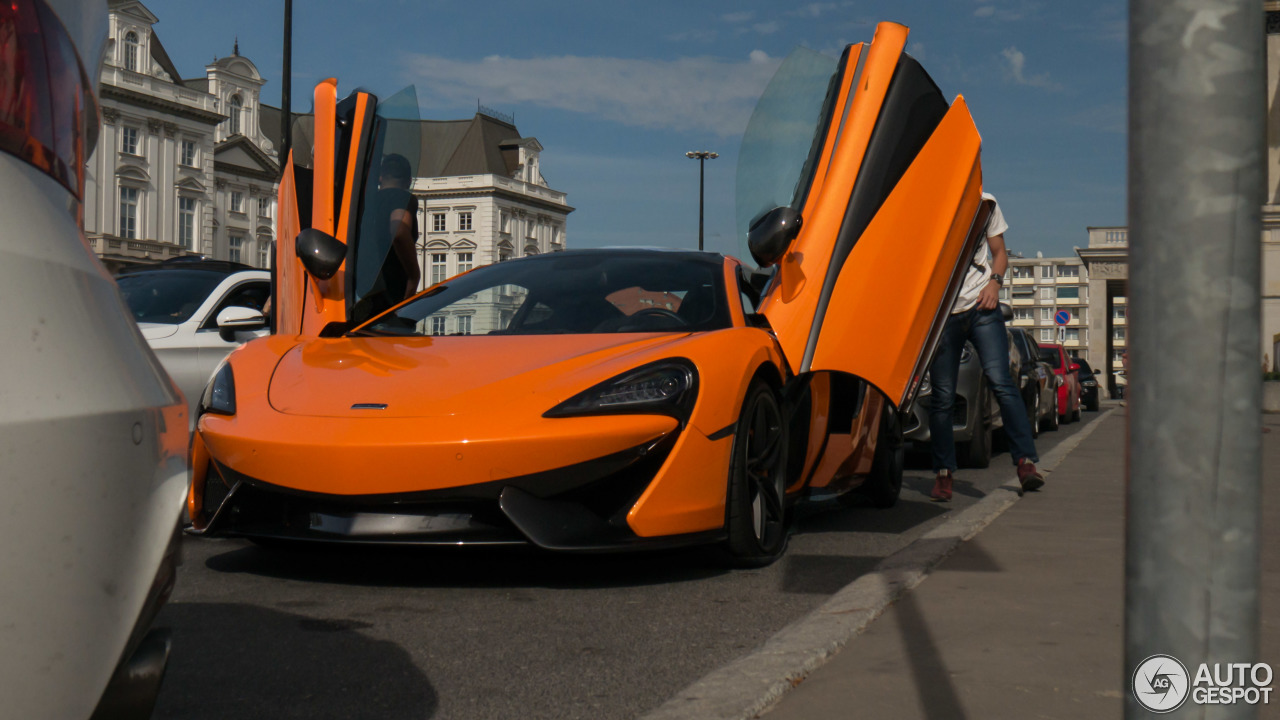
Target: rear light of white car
<point>48,114</point>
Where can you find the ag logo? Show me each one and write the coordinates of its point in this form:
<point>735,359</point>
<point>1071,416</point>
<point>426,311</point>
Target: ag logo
<point>1161,683</point>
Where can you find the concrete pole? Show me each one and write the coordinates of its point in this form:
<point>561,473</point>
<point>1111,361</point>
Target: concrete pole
<point>1196,148</point>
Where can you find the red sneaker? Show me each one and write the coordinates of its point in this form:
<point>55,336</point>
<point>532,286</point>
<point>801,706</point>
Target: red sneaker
<point>942,487</point>
<point>1028,477</point>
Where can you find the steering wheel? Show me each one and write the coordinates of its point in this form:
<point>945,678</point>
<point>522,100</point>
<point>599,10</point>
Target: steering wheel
<point>660,312</point>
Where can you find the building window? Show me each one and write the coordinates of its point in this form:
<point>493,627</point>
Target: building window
<point>188,154</point>
<point>464,324</point>
<point>128,212</point>
<point>504,223</point>
<point>187,222</point>
<point>437,222</point>
<point>1022,313</point>
<point>465,262</point>
<point>1046,335</point>
<point>264,207</point>
<point>131,51</point>
<point>1073,334</point>
<point>1119,312</point>
<point>504,256</point>
<point>1004,292</point>
<point>264,252</point>
<point>464,221</point>
<point>439,268</point>
<point>1046,293</point>
<point>236,104</point>
<point>1118,334</point>
<point>129,140</point>
<point>437,325</point>
<point>1068,293</point>
<point>1115,355</point>
<point>1068,271</point>
<point>1021,271</point>
<point>1046,271</point>
<point>235,243</point>
<point>1046,314</point>
<point>237,201</point>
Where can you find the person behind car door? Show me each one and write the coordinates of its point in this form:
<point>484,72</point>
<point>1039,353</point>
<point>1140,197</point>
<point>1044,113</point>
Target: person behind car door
<point>976,317</point>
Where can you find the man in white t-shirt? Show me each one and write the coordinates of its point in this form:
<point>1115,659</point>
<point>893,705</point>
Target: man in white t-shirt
<point>976,317</point>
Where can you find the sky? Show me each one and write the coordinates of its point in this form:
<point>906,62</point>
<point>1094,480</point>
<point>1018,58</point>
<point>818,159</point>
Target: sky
<point>618,92</point>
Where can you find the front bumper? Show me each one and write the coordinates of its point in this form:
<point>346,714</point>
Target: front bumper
<point>578,508</point>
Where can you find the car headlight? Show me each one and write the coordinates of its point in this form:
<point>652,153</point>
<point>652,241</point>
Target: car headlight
<point>925,386</point>
<point>666,387</point>
<point>220,394</point>
<point>965,354</point>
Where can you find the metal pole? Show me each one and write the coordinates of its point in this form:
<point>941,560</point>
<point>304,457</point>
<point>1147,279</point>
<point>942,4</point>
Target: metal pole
<point>286,87</point>
<point>1196,148</point>
<point>702,162</point>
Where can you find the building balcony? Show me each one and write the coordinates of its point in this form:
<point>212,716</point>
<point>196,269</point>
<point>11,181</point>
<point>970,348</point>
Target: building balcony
<point>464,183</point>
<point>158,88</point>
<point>1022,281</point>
<point>123,251</point>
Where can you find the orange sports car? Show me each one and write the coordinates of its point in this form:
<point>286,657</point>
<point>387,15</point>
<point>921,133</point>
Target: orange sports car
<point>603,399</point>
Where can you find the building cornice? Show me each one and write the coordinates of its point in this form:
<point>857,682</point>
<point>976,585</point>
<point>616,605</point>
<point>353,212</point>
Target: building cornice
<point>222,167</point>
<point>111,92</point>
<point>495,192</point>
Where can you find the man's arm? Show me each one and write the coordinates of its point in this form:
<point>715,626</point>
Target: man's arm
<point>990,296</point>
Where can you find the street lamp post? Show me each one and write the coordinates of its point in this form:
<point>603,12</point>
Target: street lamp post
<point>702,156</point>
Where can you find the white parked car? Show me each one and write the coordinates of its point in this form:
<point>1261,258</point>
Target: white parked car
<point>194,312</point>
<point>93,435</point>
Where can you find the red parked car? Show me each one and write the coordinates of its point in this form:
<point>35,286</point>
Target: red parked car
<point>1069,391</point>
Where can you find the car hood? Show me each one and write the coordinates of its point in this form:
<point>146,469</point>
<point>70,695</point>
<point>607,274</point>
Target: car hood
<point>157,331</point>
<point>450,376</point>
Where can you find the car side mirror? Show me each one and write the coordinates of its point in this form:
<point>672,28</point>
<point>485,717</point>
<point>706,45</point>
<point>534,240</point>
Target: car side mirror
<point>1006,312</point>
<point>771,235</point>
<point>240,318</point>
<point>321,253</point>
<point>1073,367</point>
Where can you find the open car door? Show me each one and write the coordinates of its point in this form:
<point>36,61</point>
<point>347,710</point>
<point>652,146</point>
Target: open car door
<point>335,234</point>
<point>870,207</point>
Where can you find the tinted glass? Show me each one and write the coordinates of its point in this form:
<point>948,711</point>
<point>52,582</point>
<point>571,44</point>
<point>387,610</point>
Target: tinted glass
<point>579,293</point>
<point>1051,356</point>
<point>169,297</point>
<point>785,126</point>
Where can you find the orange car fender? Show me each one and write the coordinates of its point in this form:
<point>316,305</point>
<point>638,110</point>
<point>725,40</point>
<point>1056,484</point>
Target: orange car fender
<point>199,471</point>
<point>689,492</point>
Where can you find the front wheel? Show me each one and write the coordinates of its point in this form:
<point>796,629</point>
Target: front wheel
<point>756,512</point>
<point>1035,415</point>
<point>1052,422</point>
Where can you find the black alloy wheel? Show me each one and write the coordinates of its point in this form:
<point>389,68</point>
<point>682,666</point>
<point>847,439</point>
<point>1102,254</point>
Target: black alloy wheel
<point>1052,422</point>
<point>1035,414</point>
<point>756,512</point>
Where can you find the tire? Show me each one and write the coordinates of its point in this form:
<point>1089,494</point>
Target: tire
<point>756,508</point>
<point>1064,414</point>
<point>1054,419</point>
<point>1092,405</point>
<point>884,484</point>
<point>1075,414</point>
<point>1035,415</point>
<point>977,454</point>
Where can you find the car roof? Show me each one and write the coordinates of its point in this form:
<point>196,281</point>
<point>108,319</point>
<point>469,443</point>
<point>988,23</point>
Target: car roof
<point>223,267</point>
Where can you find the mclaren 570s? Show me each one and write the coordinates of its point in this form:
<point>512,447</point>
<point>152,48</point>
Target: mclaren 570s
<point>602,400</point>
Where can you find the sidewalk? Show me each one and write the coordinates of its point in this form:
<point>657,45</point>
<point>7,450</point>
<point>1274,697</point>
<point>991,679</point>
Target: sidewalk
<point>1026,619</point>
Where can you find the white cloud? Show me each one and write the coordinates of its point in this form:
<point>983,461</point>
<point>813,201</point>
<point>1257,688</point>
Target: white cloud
<point>702,93</point>
<point>739,17</point>
<point>1016,67</point>
<point>916,50</point>
<point>765,28</point>
<point>985,11</point>
<point>814,10</point>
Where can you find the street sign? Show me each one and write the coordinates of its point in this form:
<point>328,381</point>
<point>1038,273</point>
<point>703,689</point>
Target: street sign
<point>1062,335</point>
<point>1062,317</point>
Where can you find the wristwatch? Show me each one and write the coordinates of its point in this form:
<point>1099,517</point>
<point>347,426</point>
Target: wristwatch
<point>998,278</point>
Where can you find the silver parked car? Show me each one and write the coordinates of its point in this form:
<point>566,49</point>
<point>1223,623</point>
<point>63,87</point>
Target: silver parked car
<point>193,312</point>
<point>93,435</point>
<point>975,415</point>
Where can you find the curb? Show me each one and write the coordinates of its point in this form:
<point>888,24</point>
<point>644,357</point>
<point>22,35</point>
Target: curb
<point>749,685</point>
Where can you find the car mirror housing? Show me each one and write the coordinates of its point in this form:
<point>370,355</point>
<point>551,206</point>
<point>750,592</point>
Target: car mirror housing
<point>1073,367</point>
<point>1006,312</point>
<point>321,253</point>
<point>771,235</point>
<point>240,318</point>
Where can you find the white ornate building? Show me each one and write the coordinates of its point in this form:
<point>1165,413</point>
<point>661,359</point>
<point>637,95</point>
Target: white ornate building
<point>189,166</point>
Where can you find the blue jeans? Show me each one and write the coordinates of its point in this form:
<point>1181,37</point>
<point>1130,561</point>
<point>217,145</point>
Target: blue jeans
<point>985,329</point>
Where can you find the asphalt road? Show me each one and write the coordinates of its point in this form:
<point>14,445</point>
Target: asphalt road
<point>392,635</point>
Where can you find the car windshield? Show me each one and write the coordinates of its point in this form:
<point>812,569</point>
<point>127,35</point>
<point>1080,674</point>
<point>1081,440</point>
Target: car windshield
<point>570,293</point>
<point>1051,356</point>
<point>169,297</point>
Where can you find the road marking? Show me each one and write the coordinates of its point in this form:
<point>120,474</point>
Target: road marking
<point>749,685</point>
